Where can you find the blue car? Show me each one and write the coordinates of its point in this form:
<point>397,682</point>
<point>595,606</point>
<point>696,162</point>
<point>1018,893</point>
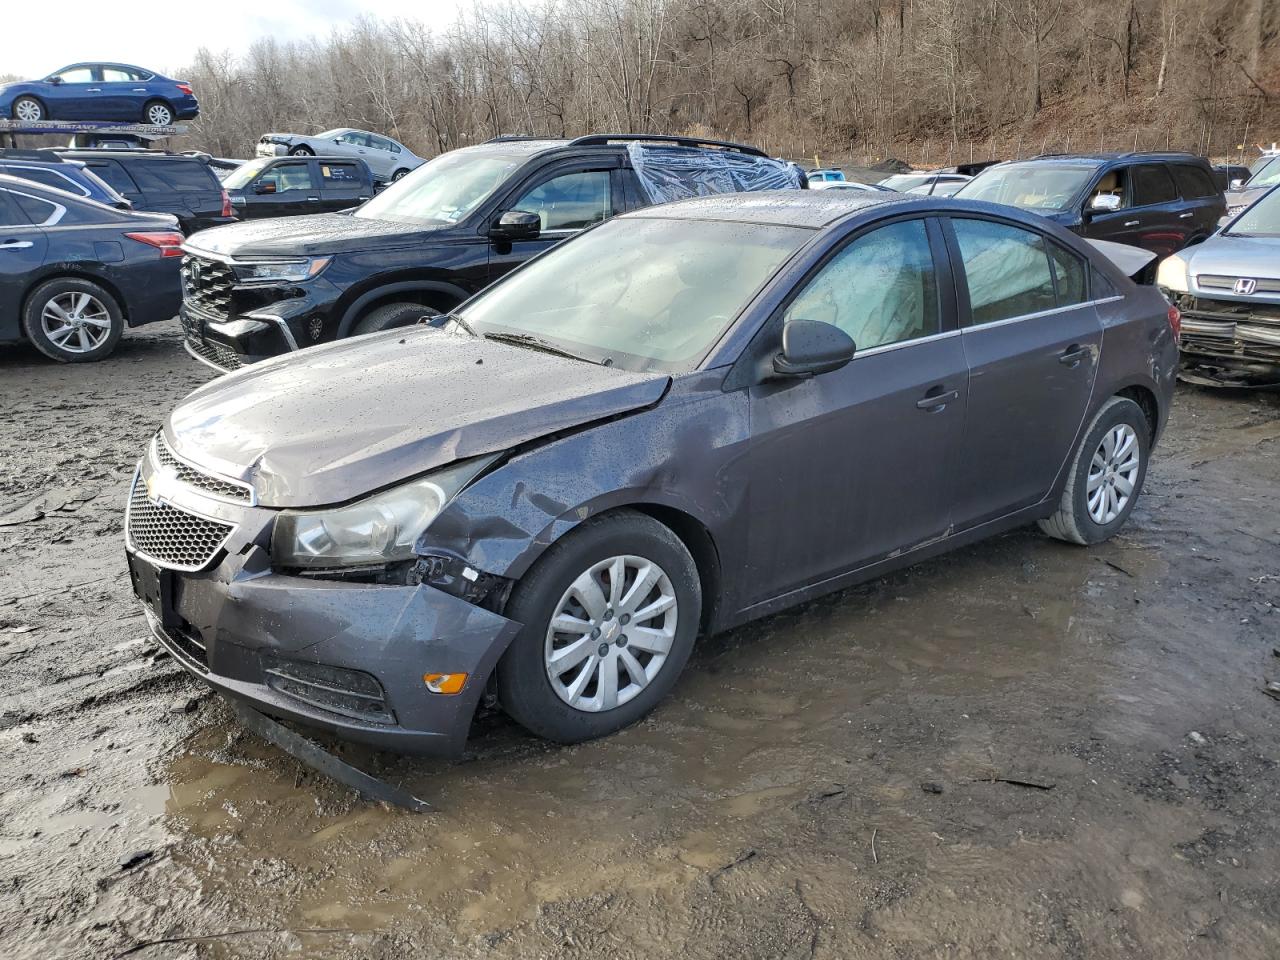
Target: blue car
<point>100,91</point>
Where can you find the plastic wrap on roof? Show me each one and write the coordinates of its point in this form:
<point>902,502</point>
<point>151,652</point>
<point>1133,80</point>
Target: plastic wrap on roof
<point>677,173</point>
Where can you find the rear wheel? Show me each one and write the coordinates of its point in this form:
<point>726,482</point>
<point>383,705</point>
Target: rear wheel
<point>72,320</point>
<point>157,113</point>
<point>302,150</point>
<point>610,614</point>
<point>1106,478</point>
<point>28,110</point>
<point>390,316</point>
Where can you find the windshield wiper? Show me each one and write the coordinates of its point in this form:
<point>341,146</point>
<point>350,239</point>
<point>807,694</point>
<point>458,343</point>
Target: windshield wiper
<point>533,343</point>
<point>462,323</point>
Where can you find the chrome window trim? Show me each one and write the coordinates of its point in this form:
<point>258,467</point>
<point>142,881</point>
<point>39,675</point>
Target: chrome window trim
<point>1040,313</point>
<point>78,187</point>
<point>233,481</point>
<point>59,211</point>
<point>898,344</point>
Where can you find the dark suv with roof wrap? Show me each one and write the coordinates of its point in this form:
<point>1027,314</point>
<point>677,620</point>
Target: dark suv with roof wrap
<point>435,237</point>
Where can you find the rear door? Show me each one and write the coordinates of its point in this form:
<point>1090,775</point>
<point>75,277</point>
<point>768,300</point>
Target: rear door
<point>1032,340</point>
<point>568,196</point>
<point>1202,201</point>
<point>1158,209</point>
<point>849,467</point>
<point>113,173</point>
<point>123,93</point>
<point>343,184</point>
<point>22,250</point>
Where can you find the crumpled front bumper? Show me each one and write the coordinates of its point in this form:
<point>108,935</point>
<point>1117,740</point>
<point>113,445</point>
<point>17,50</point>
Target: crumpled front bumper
<point>241,627</point>
<point>1229,342</point>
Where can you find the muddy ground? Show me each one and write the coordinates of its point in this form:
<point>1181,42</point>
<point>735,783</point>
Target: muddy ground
<point>825,783</point>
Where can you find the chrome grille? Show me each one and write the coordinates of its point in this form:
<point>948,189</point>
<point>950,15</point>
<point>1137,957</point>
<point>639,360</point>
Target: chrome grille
<point>206,285</point>
<point>171,537</point>
<point>224,358</point>
<point>193,477</point>
<point>1214,282</point>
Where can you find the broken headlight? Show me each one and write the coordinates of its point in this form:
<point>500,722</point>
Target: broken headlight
<point>377,530</point>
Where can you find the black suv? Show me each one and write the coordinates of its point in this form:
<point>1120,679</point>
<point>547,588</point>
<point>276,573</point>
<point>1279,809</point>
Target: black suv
<point>45,166</point>
<point>435,237</point>
<point>1159,201</point>
<point>289,186</point>
<point>162,182</point>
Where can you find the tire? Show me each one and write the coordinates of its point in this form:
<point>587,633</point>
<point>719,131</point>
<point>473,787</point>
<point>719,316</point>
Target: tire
<point>93,338</point>
<point>390,316</point>
<point>524,684</point>
<point>398,174</point>
<point>1077,520</point>
<point>31,107</point>
<point>301,150</point>
<point>157,113</point>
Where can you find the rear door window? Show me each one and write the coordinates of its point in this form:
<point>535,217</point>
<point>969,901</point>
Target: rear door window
<point>1193,183</point>
<point>340,175</point>
<point>1071,275</point>
<point>11,214</point>
<point>118,75</point>
<point>113,173</point>
<point>1152,184</point>
<point>571,201</point>
<point>1007,269</point>
<point>50,178</point>
<point>880,289</point>
<point>178,176</point>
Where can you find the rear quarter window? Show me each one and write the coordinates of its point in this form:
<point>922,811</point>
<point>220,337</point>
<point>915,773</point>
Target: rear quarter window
<point>38,211</point>
<point>178,176</point>
<point>1193,183</point>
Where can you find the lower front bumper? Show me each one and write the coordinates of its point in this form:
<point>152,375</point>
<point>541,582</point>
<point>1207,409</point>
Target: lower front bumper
<point>238,631</point>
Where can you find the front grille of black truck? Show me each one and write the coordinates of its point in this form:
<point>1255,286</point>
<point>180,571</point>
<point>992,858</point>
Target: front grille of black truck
<point>206,286</point>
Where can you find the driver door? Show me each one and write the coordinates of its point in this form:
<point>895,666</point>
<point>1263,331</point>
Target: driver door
<point>568,198</point>
<point>852,466</point>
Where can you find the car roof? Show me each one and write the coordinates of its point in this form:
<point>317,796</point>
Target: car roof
<point>1109,157</point>
<point>811,209</point>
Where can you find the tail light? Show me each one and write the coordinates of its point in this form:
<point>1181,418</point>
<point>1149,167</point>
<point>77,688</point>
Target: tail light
<point>185,88</point>
<point>169,244</point>
<point>1175,321</point>
<point>226,205</point>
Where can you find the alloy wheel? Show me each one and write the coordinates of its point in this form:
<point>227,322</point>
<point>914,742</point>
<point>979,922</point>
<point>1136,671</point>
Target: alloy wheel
<point>28,111</point>
<point>611,633</point>
<point>159,115</point>
<point>1113,473</point>
<point>76,322</point>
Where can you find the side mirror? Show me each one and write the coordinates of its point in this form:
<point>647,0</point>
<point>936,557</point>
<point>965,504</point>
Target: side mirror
<point>266,186</point>
<point>810,347</point>
<point>1105,203</point>
<point>55,80</point>
<point>1236,184</point>
<point>516,225</point>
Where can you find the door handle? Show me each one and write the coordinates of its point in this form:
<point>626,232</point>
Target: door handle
<point>1131,223</point>
<point>93,90</point>
<point>1072,356</point>
<point>1184,216</point>
<point>313,199</point>
<point>16,245</point>
<point>139,90</point>
<point>936,401</point>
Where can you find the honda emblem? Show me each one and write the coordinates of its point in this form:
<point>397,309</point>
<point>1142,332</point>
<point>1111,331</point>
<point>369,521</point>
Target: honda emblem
<point>1245,286</point>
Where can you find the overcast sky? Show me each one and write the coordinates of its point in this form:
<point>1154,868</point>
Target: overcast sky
<point>166,38</point>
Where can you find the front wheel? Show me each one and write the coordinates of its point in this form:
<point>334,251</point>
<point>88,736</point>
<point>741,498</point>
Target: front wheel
<point>302,150</point>
<point>610,614</point>
<point>398,174</point>
<point>1106,478</point>
<point>158,114</point>
<point>391,316</point>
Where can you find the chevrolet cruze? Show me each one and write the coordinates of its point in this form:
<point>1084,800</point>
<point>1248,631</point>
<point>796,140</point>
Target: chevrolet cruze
<point>684,419</point>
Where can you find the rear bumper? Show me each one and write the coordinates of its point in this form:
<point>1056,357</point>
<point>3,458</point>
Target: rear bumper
<point>242,633</point>
<point>152,291</point>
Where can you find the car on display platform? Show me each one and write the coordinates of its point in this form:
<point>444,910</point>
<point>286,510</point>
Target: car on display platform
<point>388,159</point>
<point>292,186</point>
<point>1161,202</point>
<point>427,243</point>
<point>74,273</point>
<point>100,91</point>
<point>685,418</point>
<point>1228,289</point>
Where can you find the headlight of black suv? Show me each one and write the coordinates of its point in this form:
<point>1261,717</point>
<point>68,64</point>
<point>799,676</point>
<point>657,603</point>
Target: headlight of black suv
<point>378,530</point>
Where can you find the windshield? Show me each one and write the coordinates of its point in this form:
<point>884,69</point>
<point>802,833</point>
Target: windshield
<point>243,175</point>
<point>1268,176</point>
<point>643,294</point>
<point>905,181</point>
<point>1032,186</point>
<point>1261,162</point>
<point>443,190</point>
<point>1260,220</point>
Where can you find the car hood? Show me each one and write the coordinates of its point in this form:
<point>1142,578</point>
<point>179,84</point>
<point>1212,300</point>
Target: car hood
<point>316,234</point>
<point>1237,199</point>
<point>1228,256</point>
<point>333,423</point>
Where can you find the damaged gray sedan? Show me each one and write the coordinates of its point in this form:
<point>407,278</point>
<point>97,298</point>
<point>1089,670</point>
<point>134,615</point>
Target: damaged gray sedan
<point>682,420</point>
